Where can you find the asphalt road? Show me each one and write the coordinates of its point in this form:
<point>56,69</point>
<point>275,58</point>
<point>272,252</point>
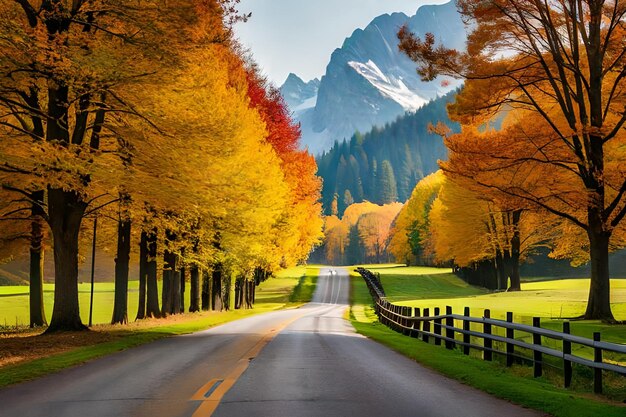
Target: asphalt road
<point>301,362</point>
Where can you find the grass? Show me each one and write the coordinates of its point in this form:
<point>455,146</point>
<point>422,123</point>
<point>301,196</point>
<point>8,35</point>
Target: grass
<point>272,295</point>
<point>14,307</point>
<point>513,384</point>
<point>551,300</point>
<point>303,291</point>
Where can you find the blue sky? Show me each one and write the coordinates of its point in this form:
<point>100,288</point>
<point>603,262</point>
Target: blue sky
<point>299,35</point>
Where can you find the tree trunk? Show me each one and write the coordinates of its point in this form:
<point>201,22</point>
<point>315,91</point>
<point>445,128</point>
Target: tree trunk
<point>194,290</point>
<point>143,271</point>
<point>515,253</point>
<point>122,260</point>
<point>166,294</point>
<point>227,283</point>
<point>250,293</point>
<point>152,305</point>
<point>37,310</point>
<point>65,211</point>
<point>216,288</point>
<point>501,281</point>
<point>206,290</point>
<point>183,273</point>
<point>599,303</point>
<point>171,282</point>
<point>238,292</point>
<point>176,278</point>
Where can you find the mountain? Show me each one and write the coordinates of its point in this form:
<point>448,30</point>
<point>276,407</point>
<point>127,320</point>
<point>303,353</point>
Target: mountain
<point>299,95</point>
<point>358,169</point>
<point>368,82</point>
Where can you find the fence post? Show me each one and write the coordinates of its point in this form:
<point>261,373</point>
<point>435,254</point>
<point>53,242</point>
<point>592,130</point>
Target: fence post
<point>437,328</point>
<point>417,325</point>
<point>408,312</point>
<point>510,335</point>
<point>426,326</point>
<point>597,358</point>
<point>396,318</point>
<point>466,327</point>
<point>537,354</point>
<point>449,331</point>
<point>487,342</point>
<point>567,350</point>
<point>384,313</point>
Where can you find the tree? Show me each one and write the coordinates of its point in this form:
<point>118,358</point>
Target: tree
<point>300,226</point>
<point>386,184</point>
<point>23,227</point>
<point>374,230</point>
<point>361,235</point>
<point>477,232</point>
<point>410,231</point>
<point>335,240</point>
<point>563,65</point>
<point>63,70</point>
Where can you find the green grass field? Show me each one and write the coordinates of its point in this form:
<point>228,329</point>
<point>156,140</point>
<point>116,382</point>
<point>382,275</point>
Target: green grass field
<point>437,287</point>
<point>14,299</point>
<point>428,287</point>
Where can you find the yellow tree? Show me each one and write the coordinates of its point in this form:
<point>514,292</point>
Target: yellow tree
<point>564,62</point>
<point>477,232</point>
<point>410,230</point>
<point>375,230</point>
<point>335,240</point>
<point>300,227</point>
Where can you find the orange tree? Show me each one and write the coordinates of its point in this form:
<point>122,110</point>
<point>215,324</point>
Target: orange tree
<point>563,62</point>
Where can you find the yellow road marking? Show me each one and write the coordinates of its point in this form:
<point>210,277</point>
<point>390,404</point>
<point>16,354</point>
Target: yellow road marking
<point>200,394</point>
<point>209,405</point>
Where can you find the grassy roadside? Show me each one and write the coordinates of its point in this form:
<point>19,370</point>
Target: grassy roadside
<point>515,384</point>
<point>29,356</point>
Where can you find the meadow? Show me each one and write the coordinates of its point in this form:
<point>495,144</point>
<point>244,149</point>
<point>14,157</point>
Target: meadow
<point>14,307</point>
<point>434,287</point>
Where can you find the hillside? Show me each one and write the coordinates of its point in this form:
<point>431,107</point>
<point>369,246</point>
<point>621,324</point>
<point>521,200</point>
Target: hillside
<point>353,170</point>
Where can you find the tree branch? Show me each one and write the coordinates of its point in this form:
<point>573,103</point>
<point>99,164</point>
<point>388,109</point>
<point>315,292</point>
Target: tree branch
<point>31,13</point>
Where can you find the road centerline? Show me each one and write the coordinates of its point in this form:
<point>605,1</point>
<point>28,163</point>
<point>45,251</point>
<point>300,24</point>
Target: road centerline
<point>210,395</point>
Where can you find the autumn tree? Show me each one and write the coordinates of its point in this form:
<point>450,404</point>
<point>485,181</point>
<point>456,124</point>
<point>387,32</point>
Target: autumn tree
<point>335,240</point>
<point>361,235</point>
<point>409,235</point>
<point>374,230</point>
<point>61,72</point>
<point>71,75</point>
<point>302,224</point>
<point>562,64</point>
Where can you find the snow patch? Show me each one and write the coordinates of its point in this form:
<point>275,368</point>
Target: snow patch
<point>391,87</point>
<point>306,104</point>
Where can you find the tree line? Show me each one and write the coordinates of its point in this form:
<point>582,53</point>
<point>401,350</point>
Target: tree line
<point>149,116</point>
<point>360,236</point>
<point>384,165</point>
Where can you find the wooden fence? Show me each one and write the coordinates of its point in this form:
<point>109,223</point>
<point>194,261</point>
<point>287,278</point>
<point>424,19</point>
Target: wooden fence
<point>441,327</point>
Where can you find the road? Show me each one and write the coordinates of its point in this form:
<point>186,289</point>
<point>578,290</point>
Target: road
<point>300,362</point>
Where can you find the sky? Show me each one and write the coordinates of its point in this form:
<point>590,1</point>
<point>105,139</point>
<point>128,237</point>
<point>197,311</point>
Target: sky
<point>300,35</point>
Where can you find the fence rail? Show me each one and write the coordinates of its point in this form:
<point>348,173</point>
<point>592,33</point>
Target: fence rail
<point>441,328</point>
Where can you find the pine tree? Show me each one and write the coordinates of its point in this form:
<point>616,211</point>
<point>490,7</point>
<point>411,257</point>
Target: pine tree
<point>387,188</point>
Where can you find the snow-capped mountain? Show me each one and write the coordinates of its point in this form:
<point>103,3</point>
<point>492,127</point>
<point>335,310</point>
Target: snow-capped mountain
<point>299,95</point>
<point>369,82</point>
